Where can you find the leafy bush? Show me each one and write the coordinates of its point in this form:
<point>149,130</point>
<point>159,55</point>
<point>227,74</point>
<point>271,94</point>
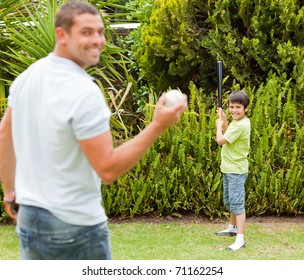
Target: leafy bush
<point>168,52</point>
<point>29,36</point>
<point>261,47</point>
<point>182,40</point>
<point>181,170</point>
<point>254,38</point>
<point>276,159</point>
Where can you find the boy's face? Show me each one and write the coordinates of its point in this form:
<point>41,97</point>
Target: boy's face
<point>237,111</point>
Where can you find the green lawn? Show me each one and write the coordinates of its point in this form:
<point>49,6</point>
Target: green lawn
<point>174,240</point>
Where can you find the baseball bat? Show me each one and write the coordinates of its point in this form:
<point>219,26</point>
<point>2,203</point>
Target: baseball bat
<point>220,80</point>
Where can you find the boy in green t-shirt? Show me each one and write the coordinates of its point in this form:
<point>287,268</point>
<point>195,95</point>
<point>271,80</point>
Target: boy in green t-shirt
<point>235,141</point>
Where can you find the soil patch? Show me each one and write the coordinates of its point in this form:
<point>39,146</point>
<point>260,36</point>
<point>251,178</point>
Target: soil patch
<point>190,218</point>
<point>186,218</point>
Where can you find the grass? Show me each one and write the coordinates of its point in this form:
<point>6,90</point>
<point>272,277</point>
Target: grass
<point>9,243</point>
<point>175,240</point>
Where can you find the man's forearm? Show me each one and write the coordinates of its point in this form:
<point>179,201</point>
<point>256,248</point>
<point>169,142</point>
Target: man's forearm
<point>132,151</point>
<point>109,162</point>
<point>7,156</point>
<point>7,171</point>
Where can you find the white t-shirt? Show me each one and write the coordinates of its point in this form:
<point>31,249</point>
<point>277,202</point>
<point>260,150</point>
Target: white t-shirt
<point>54,104</point>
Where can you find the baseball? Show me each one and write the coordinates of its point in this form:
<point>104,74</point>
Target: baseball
<point>173,97</point>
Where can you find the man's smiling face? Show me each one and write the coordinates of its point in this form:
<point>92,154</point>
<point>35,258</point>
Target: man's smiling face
<point>85,40</point>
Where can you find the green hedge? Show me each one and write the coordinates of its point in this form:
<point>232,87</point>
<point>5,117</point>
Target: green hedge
<point>181,171</point>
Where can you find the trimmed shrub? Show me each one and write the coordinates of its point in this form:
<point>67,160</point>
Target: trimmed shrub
<point>181,170</point>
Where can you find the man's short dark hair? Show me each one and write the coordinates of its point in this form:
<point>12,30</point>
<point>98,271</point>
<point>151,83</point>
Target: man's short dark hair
<point>65,14</point>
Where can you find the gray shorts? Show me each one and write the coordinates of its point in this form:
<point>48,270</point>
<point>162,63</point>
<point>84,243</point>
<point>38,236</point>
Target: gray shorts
<point>234,192</point>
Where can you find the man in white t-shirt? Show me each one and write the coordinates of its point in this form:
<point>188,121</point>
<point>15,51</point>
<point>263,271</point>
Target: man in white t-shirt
<point>56,145</point>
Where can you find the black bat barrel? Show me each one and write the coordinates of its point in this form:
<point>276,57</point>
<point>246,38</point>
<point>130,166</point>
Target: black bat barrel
<point>220,79</point>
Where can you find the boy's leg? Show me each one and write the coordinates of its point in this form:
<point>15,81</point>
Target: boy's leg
<point>233,219</point>
<point>231,230</point>
<point>237,192</point>
<point>240,223</point>
<point>239,241</point>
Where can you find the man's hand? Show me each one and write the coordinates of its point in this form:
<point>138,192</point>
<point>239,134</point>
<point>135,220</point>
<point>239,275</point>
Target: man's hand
<point>11,208</point>
<point>166,116</point>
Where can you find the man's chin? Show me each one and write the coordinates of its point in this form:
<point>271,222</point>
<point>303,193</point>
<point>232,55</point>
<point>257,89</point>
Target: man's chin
<point>94,61</point>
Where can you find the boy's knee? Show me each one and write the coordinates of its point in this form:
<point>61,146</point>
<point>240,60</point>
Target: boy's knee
<point>237,209</point>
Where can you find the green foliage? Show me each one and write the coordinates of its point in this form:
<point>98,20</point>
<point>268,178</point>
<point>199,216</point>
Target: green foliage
<point>180,41</point>
<point>29,36</point>
<point>181,170</point>
<point>255,38</point>
<point>9,9</point>
<point>32,39</point>
<point>140,10</point>
<point>3,105</point>
<point>3,100</point>
<point>176,173</point>
<point>169,51</point>
<point>276,159</point>
<point>260,43</point>
<point>2,90</point>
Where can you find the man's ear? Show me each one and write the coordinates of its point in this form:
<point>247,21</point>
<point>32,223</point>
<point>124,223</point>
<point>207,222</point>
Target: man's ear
<point>60,34</point>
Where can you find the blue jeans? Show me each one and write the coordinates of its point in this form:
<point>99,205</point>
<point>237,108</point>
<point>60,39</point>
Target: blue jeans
<point>234,192</point>
<point>45,237</point>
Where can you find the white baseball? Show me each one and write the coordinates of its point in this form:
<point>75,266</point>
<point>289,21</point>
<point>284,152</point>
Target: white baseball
<point>173,96</point>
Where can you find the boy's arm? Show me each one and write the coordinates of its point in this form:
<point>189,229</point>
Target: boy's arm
<point>225,125</point>
<point>220,139</point>
<point>221,127</point>
<point>225,121</point>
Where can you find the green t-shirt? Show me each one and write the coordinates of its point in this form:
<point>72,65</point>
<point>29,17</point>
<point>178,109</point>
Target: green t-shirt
<point>235,151</point>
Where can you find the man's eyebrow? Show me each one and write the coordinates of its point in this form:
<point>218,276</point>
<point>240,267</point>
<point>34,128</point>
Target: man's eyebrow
<point>92,28</point>
<point>86,27</point>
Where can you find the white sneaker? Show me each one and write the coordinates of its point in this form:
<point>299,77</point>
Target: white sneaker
<point>235,246</point>
<point>227,232</point>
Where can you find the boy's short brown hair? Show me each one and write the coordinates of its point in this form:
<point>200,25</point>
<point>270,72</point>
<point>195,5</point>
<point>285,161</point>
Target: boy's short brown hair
<point>239,96</point>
